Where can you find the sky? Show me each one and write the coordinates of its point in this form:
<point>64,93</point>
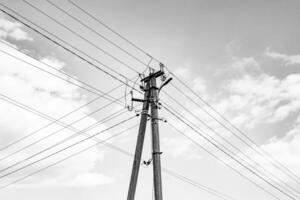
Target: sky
<point>242,57</point>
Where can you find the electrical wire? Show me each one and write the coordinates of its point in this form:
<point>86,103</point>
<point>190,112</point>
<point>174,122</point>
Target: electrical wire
<point>57,131</point>
<point>88,13</point>
<point>97,33</point>
<point>261,152</point>
<point>131,155</point>
<point>98,92</point>
<point>66,148</point>
<point>76,134</point>
<point>66,158</point>
<point>253,163</point>
<point>44,115</point>
<point>258,150</point>
<point>173,174</point>
<point>80,36</point>
<point>197,185</point>
<point>39,68</point>
<point>220,160</point>
<point>51,123</point>
<point>82,132</point>
<point>124,152</point>
<point>62,46</point>
<point>216,145</point>
<point>102,94</point>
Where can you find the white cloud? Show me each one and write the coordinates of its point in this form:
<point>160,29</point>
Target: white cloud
<point>239,66</point>
<point>245,65</point>
<point>12,30</point>
<point>261,99</point>
<point>286,59</point>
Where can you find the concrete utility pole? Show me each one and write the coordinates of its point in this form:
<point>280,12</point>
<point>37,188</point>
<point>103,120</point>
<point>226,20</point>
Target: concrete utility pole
<point>150,98</point>
<point>155,142</point>
<point>139,145</point>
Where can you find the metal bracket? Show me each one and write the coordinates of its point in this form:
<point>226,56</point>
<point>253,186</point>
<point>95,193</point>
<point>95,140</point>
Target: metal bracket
<point>138,100</point>
<point>153,75</point>
<point>160,119</point>
<point>157,152</point>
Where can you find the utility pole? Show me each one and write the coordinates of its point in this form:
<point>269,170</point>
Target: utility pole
<point>155,142</point>
<point>139,145</point>
<point>151,92</point>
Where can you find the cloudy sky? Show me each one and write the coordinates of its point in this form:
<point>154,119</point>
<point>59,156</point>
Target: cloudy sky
<point>242,57</point>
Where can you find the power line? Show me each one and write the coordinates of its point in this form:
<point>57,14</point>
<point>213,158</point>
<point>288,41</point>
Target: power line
<point>62,46</point>
<point>225,163</point>
<point>47,148</point>
<point>81,37</point>
<point>197,185</point>
<point>37,67</point>
<point>210,140</point>
<point>168,171</point>
<point>66,158</point>
<point>98,92</point>
<point>102,94</point>
<point>57,131</point>
<point>96,32</point>
<point>46,117</point>
<point>253,164</point>
<point>88,13</point>
<point>78,133</point>
<point>68,147</point>
<point>258,150</point>
<point>30,109</point>
<point>274,162</point>
<point>22,106</point>
<point>51,123</point>
<point>129,154</point>
<point>109,28</point>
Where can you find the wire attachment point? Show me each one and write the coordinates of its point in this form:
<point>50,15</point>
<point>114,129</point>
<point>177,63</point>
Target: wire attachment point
<point>146,163</point>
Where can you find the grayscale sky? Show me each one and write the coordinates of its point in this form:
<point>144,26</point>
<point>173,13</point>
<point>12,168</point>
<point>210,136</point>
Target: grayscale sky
<point>241,56</point>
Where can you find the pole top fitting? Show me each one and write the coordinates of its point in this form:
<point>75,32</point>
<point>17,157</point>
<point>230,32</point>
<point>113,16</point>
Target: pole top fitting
<point>153,75</point>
